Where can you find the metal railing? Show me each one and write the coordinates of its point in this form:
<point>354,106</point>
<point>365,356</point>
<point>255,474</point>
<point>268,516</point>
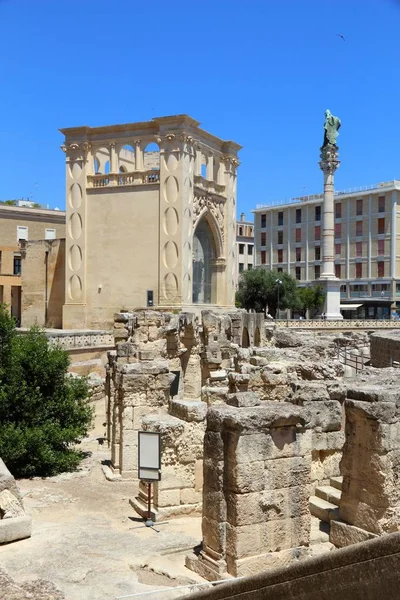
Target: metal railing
<point>355,361</point>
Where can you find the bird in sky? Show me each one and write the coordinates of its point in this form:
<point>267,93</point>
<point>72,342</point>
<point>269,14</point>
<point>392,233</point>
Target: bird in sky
<point>341,36</point>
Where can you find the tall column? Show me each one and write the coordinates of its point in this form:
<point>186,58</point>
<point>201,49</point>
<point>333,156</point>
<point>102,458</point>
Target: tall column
<point>328,164</point>
<point>138,156</point>
<point>113,158</point>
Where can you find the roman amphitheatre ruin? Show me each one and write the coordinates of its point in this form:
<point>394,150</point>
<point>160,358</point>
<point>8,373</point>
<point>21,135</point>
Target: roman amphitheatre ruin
<point>280,464</point>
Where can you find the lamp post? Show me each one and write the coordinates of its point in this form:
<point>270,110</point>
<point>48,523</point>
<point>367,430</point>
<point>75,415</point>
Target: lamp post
<point>278,282</point>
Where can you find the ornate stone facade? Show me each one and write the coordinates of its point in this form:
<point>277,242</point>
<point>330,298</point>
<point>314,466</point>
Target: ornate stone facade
<point>158,196</point>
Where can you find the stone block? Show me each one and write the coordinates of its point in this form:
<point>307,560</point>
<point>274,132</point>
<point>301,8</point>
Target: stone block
<point>214,534</point>
<point>243,399</point>
<point>331,440</point>
<point>164,498</point>
<point>246,567</point>
<point>191,496</point>
<point>325,415</point>
<point>214,505</point>
<point>7,481</point>
<point>10,506</point>
<point>17,528</point>
<point>342,534</point>
<point>213,473</point>
<point>243,478</point>
<point>188,411</point>
<point>287,472</point>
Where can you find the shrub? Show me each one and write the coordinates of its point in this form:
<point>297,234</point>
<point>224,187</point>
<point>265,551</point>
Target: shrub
<point>43,410</point>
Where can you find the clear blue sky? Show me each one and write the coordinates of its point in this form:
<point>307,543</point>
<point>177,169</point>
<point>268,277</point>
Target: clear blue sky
<point>260,72</point>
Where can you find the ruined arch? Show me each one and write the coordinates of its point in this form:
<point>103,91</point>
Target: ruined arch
<point>245,338</point>
<point>257,337</point>
<point>205,253</point>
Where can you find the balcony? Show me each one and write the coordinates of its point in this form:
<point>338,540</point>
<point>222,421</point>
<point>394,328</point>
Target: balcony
<point>123,179</point>
<point>209,186</point>
<point>383,294</point>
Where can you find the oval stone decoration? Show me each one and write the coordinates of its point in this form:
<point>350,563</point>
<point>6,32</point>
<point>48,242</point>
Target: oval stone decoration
<point>76,170</point>
<point>187,287</point>
<point>170,255</point>
<point>75,288</point>
<point>75,258</point>
<point>75,226</point>
<point>75,195</point>
<point>171,189</point>
<point>170,286</point>
<point>171,221</point>
<point>172,162</point>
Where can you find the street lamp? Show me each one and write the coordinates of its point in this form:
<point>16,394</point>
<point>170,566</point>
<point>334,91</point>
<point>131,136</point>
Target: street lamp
<point>278,282</point>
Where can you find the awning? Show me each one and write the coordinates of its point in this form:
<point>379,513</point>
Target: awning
<point>350,306</point>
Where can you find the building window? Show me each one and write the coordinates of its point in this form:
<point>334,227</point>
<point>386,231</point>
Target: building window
<point>241,267</point>
<point>317,272</point>
<point>298,234</point>
<point>317,252</point>
<point>263,257</point>
<point>17,265</point>
<point>381,247</point>
<point>280,256</point>
<point>241,248</point>
<point>358,248</point>
<point>358,270</point>
<point>317,213</point>
<point>359,208</point>
<point>298,254</point>
<point>298,273</point>
<point>280,270</point>
<point>381,226</point>
<point>381,204</point>
<point>249,267</point>
<point>280,237</point>
<point>359,228</point>
<point>280,219</point>
<point>241,231</point>
<point>298,215</point>
<point>381,268</point>
<point>250,249</point>
<point>263,238</point>
<point>338,230</point>
<point>50,234</point>
<point>263,221</point>
<point>338,271</point>
<point>338,249</point>
<point>22,233</point>
<point>338,210</point>
<point>317,232</point>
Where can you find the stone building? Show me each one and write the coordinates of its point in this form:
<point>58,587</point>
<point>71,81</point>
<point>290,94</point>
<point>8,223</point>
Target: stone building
<point>151,218</point>
<point>18,224</point>
<point>244,246</point>
<point>288,237</point>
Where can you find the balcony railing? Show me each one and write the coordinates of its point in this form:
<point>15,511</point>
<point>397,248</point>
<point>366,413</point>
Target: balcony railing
<point>383,294</point>
<point>121,179</point>
<point>209,186</point>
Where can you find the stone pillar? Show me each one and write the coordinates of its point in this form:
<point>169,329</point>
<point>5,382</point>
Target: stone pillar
<point>138,156</point>
<point>78,161</point>
<point>210,167</point>
<point>113,159</point>
<point>370,501</point>
<point>257,463</point>
<point>328,164</point>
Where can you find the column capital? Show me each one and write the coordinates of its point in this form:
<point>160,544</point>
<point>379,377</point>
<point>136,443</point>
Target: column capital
<point>329,158</point>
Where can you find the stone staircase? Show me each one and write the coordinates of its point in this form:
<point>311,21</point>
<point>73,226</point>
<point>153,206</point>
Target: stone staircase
<point>325,504</point>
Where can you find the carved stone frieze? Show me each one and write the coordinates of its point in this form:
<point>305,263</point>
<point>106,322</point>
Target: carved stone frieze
<point>75,151</point>
<point>215,206</point>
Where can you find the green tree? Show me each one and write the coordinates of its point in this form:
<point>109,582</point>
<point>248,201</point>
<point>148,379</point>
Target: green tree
<point>260,290</point>
<point>310,299</point>
<point>43,410</point>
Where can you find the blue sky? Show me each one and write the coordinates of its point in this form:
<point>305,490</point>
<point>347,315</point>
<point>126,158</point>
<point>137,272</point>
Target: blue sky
<point>260,72</point>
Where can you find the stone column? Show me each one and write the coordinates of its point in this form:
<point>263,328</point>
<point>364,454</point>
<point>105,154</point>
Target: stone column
<point>113,158</point>
<point>138,156</point>
<point>328,164</point>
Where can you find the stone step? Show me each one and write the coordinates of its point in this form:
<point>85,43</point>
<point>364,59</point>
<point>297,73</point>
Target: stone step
<point>323,510</point>
<point>336,482</point>
<point>329,493</point>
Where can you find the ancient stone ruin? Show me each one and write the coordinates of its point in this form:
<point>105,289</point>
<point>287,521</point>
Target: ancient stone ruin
<point>253,421</point>
<point>14,523</point>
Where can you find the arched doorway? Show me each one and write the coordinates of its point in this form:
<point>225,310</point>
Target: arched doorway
<point>245,338</point>
<point>204,272</point>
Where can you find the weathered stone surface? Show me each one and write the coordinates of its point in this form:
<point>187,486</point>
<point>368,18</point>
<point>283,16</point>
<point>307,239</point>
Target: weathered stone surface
<point>287,339</point>
<point>7,481</point>
<point>188,410</point>
<point>243,399</point>
<point>10,506</point>
<point>342,534</point>
<point>14,529</point>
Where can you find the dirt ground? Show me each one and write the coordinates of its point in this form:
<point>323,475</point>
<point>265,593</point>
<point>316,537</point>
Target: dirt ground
<point>90,544</point>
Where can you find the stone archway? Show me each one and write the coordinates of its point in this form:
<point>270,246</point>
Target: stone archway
<point>245,338</point>
<point>204,264</point>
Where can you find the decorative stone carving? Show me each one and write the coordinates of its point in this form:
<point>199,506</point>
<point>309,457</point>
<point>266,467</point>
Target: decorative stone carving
<point>329,159</point>
<point>214,206</point>
<point>76,151</point>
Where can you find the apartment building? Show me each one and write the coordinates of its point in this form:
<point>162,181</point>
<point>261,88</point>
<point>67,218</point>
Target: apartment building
<point>19,223</point>
<point>367,245</point>
<point>244,246</point>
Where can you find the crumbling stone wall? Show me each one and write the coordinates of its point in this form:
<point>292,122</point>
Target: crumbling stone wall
<point>257,465</point>
<point>370,502</point>
<point>385,349</point>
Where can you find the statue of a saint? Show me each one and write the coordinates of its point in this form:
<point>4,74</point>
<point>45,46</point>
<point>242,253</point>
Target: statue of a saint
<point>331,126</point>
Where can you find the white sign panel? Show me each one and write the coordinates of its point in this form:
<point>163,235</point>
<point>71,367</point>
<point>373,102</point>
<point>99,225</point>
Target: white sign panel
<point>149,458</point>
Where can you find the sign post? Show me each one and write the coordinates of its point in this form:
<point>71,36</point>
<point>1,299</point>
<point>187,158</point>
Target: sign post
<point>149,464</point>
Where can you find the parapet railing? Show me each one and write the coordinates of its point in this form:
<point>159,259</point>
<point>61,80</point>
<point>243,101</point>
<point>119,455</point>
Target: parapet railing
<point>118,179</point>
<point>356,361</point>
<point>340,324</point>
<point>71,340</point>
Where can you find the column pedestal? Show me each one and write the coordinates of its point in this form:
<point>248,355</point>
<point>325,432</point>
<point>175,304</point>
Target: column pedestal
<point>331,288</point>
